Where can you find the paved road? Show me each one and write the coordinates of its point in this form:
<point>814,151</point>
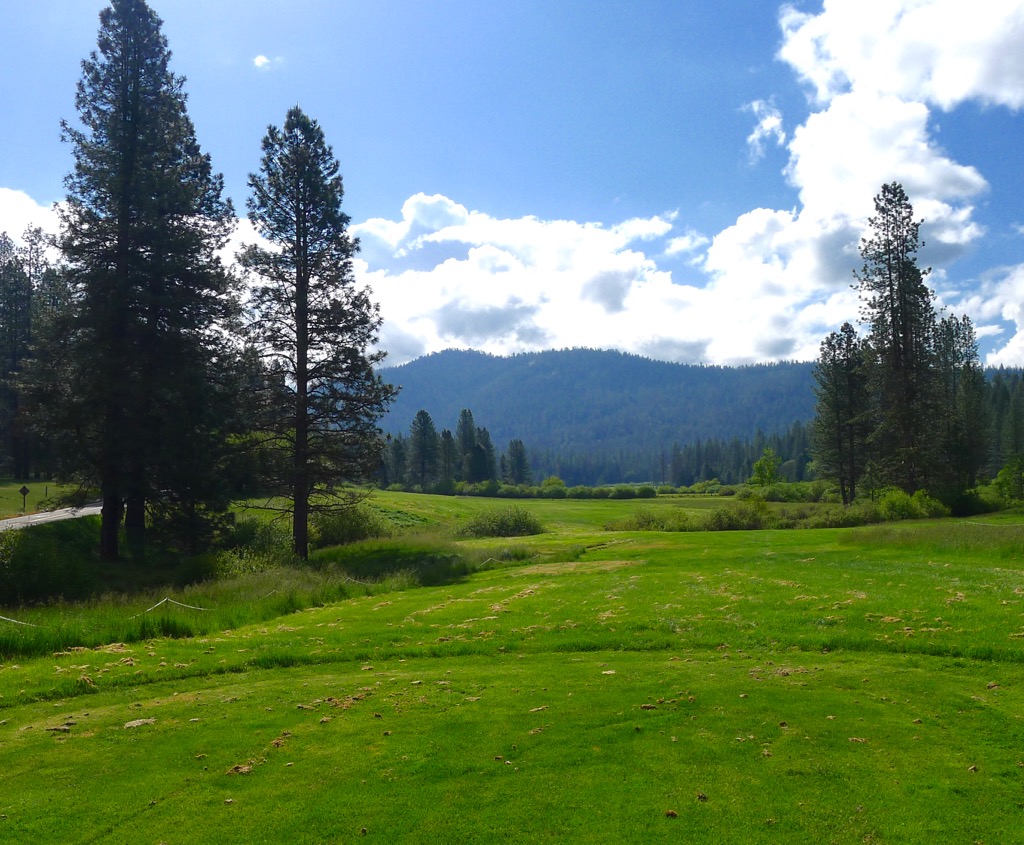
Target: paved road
<point>48,516</point>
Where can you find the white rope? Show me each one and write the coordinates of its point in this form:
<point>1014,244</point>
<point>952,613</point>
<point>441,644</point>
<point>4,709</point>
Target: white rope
<point>16,622</point>
<point>166,600</point>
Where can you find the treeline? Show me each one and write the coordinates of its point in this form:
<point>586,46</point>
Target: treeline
<point>428,461</point>
<point>706,459</point>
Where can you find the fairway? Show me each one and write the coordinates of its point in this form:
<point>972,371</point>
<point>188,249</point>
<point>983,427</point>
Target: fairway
<point>843,686</point>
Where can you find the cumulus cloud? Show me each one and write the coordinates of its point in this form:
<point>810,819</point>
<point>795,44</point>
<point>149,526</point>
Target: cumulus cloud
<point>876,71</point>
<point>942,52</point>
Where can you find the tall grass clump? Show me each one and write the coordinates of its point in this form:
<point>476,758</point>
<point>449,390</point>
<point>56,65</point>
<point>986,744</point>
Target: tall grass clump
<point>252,546</point>
<point>44,561</point>
<point>421,559</point>
<point>511,521</point>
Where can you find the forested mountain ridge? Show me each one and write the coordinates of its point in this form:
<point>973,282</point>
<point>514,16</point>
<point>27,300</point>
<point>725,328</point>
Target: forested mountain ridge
<point>575,400</point>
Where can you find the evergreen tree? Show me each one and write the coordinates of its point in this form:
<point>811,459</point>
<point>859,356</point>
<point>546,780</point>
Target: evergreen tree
<point>964,416</point>
<point>448,456</point>
<point>517,466</point>
<point>489,463</point>
<point>140,230</point>
<point>310,318</point>
<point>841,423</point>
<point>394,460</point>
<point>15,336</point>
<point>424,449</point>
<point>465,442</point>
<point>898,308</point>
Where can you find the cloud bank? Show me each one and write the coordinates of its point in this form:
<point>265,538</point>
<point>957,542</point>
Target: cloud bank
<point>769,286</point>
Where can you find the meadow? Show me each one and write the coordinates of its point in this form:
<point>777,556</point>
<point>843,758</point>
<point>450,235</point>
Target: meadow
<point>830,686</point>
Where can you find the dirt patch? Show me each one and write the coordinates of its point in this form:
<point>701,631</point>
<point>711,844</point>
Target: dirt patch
<point>576,566</point>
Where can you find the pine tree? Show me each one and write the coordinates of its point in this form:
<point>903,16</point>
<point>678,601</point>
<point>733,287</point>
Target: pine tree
<point>517,466</point>
<point>448,457</point>
<point>15,336</point>
<point>140,230</point>
<point>465,443</point>
<point>424,449</point>
<point>841,423</point>
<point>315,323</point>
<point>964,417</point>
<point>897,306</point>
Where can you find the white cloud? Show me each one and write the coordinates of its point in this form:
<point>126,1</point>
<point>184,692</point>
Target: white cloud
<point>18,211</point>
<point>768,128</point>
<point>689,242</point>
<point>941,52</point>
<point>265,63</point>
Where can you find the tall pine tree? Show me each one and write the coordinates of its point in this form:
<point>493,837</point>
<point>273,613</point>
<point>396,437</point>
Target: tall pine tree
<point>314,324</point>
<point>897,306</point>
<point>140,230</point>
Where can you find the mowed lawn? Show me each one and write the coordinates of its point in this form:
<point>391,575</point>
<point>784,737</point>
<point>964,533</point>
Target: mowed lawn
<point>848,686</point>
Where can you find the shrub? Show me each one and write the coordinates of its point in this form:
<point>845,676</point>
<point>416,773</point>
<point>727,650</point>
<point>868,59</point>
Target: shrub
<point>511,521</point>
<point>430,562</point>
<point>622,492</point>
<point>895,504</point>
<point>646,491</point>
<point>349,525</point>
<point>926,506</point>
<point>579,492</point>
<point>654,519</point>
<point>254,546</point>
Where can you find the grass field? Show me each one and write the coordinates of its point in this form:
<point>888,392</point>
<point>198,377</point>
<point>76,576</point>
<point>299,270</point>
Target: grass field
<point>11,501</point>
<point>833,686</point>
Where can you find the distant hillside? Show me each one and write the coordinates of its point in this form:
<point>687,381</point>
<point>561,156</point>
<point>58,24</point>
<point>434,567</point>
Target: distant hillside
<point>584,400</point>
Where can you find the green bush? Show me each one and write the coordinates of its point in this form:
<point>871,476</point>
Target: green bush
<point>429,561</point>
<point>654,519</point>
<point>928,507</point>
<point>646,491</point>
<point>839,516</point>
<point>511,521</point>
<point>349,525</point>
<point>895,504</point>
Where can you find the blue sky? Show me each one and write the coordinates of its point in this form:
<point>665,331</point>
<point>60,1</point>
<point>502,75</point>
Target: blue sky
<point>685,180</point>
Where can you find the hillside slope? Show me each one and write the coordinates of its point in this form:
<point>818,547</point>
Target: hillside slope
<point>585,400</point>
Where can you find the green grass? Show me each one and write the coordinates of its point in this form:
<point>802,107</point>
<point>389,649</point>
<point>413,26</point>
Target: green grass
<point>843,686</point>
<point>11,501</point>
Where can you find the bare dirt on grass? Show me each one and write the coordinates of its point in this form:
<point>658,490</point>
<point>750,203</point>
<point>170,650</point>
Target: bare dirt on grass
<point>577,566</point>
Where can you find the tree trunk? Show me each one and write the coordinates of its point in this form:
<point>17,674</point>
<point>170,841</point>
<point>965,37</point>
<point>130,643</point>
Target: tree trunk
<point>135,525</point>
<point>110,524</point>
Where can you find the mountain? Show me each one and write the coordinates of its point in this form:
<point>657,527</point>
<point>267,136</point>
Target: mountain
<point>587,400</point>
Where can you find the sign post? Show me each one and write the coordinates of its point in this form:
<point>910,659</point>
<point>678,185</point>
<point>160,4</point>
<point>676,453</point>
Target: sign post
<point>24,493</point>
